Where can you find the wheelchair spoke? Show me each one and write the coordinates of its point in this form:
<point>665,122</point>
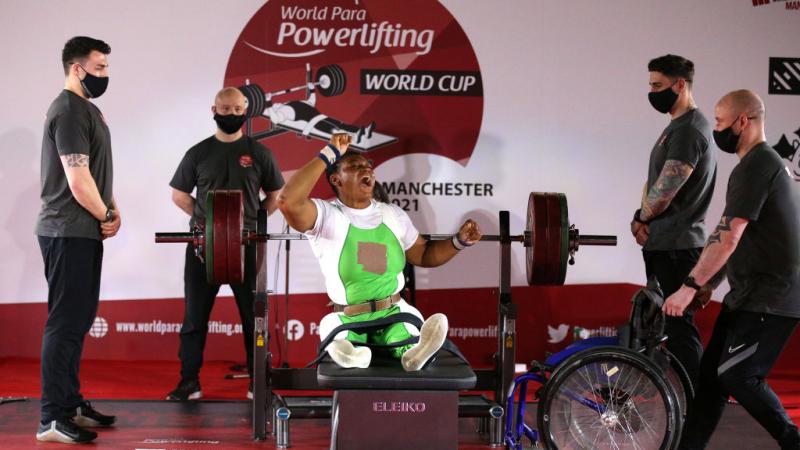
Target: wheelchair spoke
<point>630,413</point>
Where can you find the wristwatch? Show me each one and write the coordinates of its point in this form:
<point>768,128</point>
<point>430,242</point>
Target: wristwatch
<point>690,282</point>
<point>109,215</point>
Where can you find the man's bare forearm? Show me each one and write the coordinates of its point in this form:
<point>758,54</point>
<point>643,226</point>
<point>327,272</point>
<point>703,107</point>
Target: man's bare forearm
<point>717,279</point>
<point>183,200</point>
<point>186,206</point>
<point>718,249</point>
<point>660,195</point>
<point>82,185</point>
<point>270,202</point>
<point>712,259</point>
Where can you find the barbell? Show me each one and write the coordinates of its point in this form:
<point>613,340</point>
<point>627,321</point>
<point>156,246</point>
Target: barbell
<point>330,81</point>
<point>549,239</point>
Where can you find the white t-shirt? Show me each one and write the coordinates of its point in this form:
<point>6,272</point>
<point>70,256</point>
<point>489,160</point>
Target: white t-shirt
<point>330,231</point>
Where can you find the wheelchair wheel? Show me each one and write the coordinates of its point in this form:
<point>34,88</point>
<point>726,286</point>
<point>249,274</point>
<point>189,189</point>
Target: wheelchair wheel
<point>608,398</point>
<point>678,377</point>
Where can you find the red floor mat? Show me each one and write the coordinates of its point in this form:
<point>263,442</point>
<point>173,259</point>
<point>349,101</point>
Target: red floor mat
<point>152,380</point>
<point>133,380</point>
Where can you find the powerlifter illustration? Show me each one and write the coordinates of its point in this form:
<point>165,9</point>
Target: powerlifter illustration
<point>304,117</point>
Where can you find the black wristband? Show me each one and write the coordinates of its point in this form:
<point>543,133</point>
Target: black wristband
<point>690,282</point>
<point>637,217</point>
<point>329,154</point>
<point>458,243</point>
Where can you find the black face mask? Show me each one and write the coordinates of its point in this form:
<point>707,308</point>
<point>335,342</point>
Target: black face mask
<point>726,139</point>
<point>230,123</point>
<point>93,86</point>
<point>663,101</point>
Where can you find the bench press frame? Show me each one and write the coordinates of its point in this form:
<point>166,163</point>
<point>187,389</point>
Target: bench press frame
<point>266,379</point>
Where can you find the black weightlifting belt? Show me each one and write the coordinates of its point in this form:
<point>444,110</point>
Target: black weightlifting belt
<point>368,306</point>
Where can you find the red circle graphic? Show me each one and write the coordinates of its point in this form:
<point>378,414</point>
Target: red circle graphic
<point>401,77</point>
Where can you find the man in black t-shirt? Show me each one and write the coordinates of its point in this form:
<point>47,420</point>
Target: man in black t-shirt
<point>226,160</point>
<point>758,241</point>
<point>670,225</point>
<point>78,212</point>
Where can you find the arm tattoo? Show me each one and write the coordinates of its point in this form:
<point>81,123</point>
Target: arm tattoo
<point>76,160</point>
<point>669,182</point>
<point>716,236</point>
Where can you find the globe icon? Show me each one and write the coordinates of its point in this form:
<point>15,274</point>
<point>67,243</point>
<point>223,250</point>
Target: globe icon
<point>99,328</point>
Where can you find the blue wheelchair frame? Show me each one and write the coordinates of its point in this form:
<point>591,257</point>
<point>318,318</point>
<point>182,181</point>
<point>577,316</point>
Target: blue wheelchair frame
<point>516,430</point>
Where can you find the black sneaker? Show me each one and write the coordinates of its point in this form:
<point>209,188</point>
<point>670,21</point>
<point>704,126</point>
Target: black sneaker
<point>65,431</point>
<point>186,390</point>
<point>87,417</point>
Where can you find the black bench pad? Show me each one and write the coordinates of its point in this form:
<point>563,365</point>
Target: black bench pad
<point>446,373</point>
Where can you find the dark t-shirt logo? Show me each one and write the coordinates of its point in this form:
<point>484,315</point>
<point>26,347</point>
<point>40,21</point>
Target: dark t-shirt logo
<point>246,161</point>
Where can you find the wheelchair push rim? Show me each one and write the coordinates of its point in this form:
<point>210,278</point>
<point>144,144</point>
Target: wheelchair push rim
<point>608,398</point>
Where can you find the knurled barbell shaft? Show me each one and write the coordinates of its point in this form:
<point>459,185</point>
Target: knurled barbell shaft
<point>189,237</point>
<point>485,237</point>
<point>431,237</point>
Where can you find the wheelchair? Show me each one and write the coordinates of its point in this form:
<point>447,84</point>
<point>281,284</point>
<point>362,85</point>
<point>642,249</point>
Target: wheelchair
<point>622,392</point>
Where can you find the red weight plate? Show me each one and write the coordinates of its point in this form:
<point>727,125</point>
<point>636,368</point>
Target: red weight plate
<point>208,237</point>
<point>564,249</point>
<point>220,238</point>
<point>540,238</point>
<point>235,226</point>
<point>529,261</point>
<point>554,228</point>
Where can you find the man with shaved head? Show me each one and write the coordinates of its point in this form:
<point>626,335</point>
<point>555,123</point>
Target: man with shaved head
<point>226,160</point>
<point>757,244</point>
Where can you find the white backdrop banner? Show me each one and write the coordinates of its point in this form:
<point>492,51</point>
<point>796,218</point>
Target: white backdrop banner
<point>475,105</point>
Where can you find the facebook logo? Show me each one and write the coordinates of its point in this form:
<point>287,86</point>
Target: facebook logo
<point>294,330</point>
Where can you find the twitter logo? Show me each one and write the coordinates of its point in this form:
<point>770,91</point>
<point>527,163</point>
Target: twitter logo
<point>557,334</point>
